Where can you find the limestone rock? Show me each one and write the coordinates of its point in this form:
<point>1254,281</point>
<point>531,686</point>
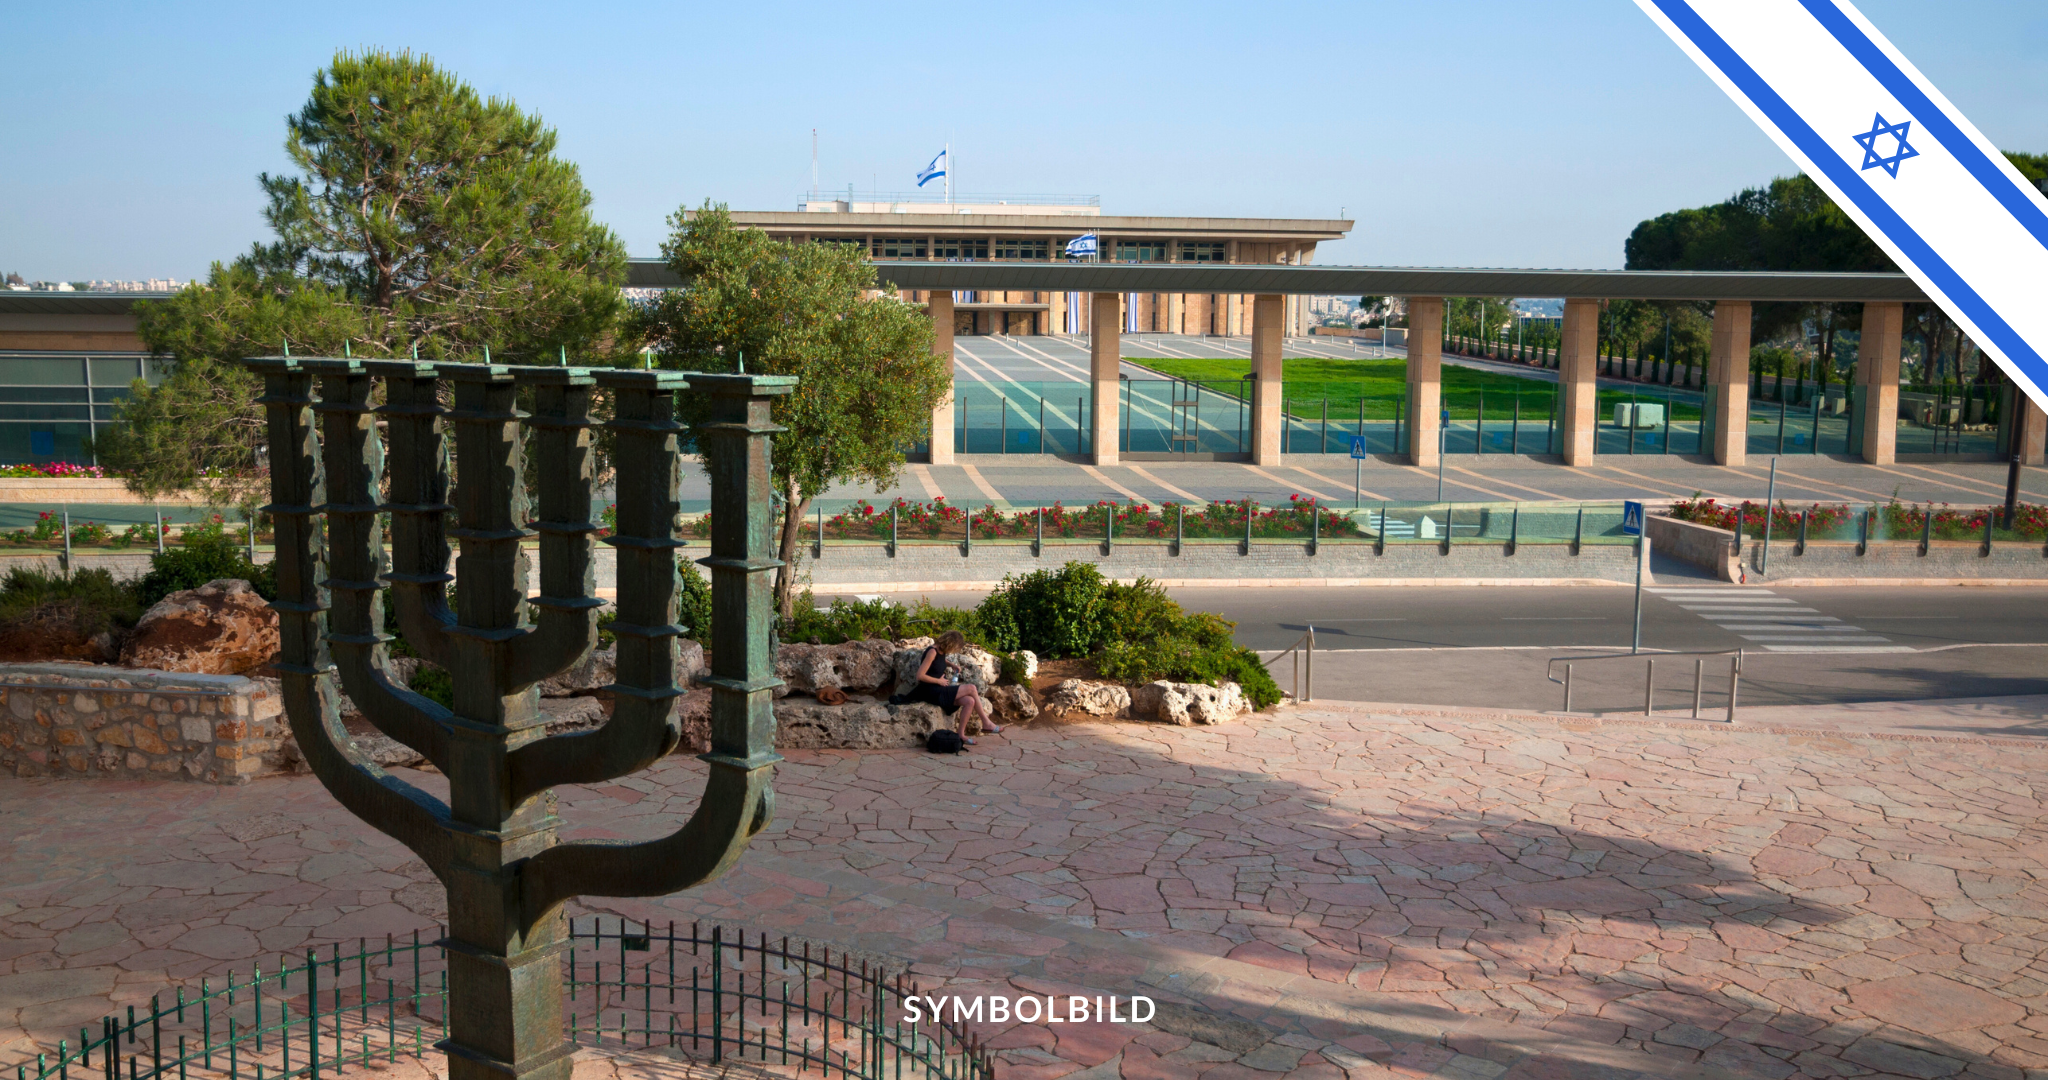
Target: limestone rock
<point>1030,660</point>
<point>1089,698</point>
<point>219,628</point>
<point>597,670</point>
<point>802,723</point>
<point>571,714</point>
<point>973,665</point>
<point>857,667</point>
<point>693,710</point>
<point>1012,703</point>
<point>1189,703</point>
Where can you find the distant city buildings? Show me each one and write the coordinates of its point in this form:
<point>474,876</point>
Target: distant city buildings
<point>15,283</point>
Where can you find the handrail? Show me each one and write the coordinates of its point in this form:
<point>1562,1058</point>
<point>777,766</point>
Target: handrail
<point>1650,675</point>
<point>1308,639</point>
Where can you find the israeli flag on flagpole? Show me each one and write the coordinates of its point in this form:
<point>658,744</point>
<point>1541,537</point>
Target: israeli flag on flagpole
<point>1081,246</point>
<point>1897,157</point>
<point>932,171</point>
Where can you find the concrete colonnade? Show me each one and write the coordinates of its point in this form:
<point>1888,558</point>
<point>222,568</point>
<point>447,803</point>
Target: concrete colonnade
<point>1726,423</point>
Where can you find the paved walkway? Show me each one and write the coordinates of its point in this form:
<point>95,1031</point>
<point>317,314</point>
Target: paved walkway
<point>1329,893</point>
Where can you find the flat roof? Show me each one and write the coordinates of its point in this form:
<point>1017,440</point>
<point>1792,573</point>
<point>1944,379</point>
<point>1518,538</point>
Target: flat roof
<point>1242,278</point>
<point>39,302</point>
<point>1127,226</point>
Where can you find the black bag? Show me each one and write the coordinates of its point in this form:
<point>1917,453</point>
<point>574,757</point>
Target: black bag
<point>944,741</point>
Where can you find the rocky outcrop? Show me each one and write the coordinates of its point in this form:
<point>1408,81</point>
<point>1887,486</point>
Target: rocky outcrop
<point>1030,661</point>
<point>1086,698</point>
<point>1012,703</point>
<point>974,665</point>
<point>220,628</point>
<point>802,723</point>
<point>1189,703</point>
<point>601,668</point>
<point>857,667</point>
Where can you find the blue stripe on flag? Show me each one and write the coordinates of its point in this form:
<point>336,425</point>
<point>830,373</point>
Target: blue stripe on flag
<point>1932,119</point>
<point>1879,212</point>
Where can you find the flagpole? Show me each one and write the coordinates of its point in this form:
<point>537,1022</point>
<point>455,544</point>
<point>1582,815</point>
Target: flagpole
<point>949,173</point>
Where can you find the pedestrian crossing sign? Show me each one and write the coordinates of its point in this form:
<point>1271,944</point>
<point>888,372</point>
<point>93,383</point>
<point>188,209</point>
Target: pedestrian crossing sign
<point>1632,519</point>
<point>1358,446</point>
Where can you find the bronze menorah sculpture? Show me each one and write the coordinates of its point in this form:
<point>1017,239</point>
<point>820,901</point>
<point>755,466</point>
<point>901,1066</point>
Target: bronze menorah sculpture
<point>493,844</point>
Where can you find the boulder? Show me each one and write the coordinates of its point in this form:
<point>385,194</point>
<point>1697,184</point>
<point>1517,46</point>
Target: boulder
<point>1030,661</point>
<point>572,714</point>
<point>857,667</point>
<point>973,664</point>
<point>601,668</point>
<point>802,723</point>
<point>219,628</point>
<point>598,669</point>
<point>1189,703</point>
<point>1089,698</point>
<point>1012,703</point>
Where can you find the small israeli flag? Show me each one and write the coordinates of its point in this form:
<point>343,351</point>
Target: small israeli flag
<point>934,170</point>
<point>1081,245</point>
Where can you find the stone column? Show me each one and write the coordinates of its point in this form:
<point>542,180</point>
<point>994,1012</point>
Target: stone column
<point>2031,438</point>
<point>1425,378</point>
<point>1877,374</point>
<point>1728,374</point>
<point>1578,371</point>
<point>1105,363</point>
<point>940,307</point>
<point>1268,425</point>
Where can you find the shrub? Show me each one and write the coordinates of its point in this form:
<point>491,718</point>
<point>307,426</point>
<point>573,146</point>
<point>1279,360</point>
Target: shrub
<point>89,601</point>
<point>1013,671</point>
<point>198,561</point>
<point>1054,613</point>
<point>693,602</point>
<point>858,620</point>
<point>1186,659</point>
<point>434,684</point>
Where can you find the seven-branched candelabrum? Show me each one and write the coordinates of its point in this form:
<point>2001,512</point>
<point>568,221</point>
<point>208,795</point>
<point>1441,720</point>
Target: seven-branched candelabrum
<point>494,842</point>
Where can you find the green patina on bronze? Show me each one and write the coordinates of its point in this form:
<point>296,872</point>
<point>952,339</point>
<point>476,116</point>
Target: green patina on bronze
<point>494,842</point>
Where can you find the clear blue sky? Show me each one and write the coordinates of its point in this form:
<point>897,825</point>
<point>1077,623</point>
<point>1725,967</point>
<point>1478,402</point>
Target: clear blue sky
<point>1458,133</point>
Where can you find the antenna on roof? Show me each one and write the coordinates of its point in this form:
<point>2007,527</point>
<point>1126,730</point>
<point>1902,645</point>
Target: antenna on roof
<point>814,163</point>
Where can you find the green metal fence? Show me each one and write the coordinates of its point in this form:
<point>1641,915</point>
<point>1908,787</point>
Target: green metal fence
<point>715,992</point>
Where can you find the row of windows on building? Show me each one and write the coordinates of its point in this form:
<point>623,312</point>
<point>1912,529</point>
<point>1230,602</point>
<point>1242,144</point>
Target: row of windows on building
<point>924,247</point>
<point>52,403</point>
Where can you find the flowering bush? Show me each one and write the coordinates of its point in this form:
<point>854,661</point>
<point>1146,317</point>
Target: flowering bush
<point>2030,521</point>
<point>62,469</point>
<point>941,520</point>
<point>1894,521</point>
<point>1821,520</point>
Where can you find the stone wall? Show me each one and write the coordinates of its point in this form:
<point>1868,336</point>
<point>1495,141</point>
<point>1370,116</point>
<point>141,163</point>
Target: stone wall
<point>79,720</point>
<point>1704,546</point>
<point>1836,562</point>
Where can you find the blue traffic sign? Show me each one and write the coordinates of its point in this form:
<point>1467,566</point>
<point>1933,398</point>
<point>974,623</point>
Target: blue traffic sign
<point>1632,519</point>
<point>1358,446</point>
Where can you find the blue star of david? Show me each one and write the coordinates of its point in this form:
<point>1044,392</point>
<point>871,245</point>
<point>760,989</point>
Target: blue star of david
<point>1878,129</point>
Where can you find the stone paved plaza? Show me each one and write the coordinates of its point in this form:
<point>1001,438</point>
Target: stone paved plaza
<point>1326,893</point>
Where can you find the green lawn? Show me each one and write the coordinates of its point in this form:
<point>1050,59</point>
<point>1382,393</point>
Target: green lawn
<point>1309,381</point>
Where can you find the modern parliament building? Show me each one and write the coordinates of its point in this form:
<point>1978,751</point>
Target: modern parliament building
<point>1037,229</point>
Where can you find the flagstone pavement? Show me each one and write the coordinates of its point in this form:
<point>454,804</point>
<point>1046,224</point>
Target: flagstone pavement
<point>1324,893</point>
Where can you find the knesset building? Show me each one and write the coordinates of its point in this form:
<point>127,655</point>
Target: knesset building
<point>1573,430</point>
<point>1036,229</point>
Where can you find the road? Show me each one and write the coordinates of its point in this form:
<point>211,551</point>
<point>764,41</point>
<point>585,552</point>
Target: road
<point>1494,647</point>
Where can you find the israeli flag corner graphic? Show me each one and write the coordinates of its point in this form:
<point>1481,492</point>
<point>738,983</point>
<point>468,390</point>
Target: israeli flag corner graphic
<point>1081,245</point>
<point>1897,157</point>
<point>932,171</point>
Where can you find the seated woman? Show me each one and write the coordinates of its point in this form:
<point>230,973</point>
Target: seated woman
<point>937,683</point>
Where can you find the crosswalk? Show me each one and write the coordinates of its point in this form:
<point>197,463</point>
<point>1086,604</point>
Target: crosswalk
<point>1775,623</point>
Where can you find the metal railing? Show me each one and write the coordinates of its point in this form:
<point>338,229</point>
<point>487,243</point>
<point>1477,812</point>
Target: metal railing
<point>714,992</point>
<point>1304,652</point>
<point>1649,661</point>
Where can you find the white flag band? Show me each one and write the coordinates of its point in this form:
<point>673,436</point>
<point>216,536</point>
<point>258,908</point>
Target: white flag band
<point>1897,157</point>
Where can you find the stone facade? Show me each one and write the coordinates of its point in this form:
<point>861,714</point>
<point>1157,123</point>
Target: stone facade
<point>76,720</point>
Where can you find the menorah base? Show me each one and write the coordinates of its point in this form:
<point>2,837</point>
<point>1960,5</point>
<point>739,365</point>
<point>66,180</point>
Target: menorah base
<point>556,1063</point>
